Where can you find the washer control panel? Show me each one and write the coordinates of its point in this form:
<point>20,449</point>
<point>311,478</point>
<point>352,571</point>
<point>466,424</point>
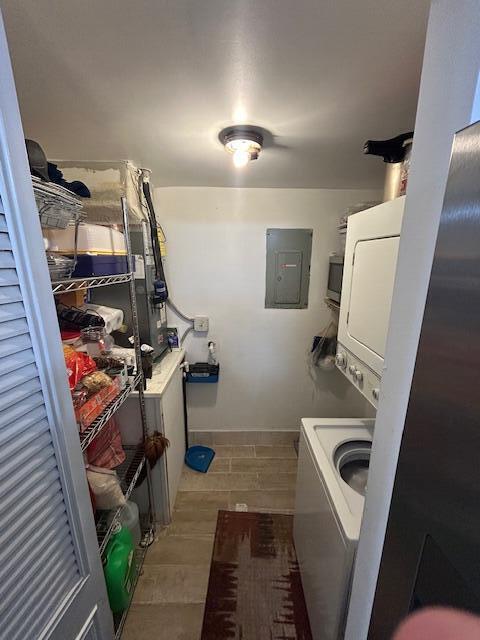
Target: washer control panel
<point>361,376</point>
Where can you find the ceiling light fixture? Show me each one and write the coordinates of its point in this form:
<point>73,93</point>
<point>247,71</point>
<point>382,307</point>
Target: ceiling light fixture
<point>244,143</point>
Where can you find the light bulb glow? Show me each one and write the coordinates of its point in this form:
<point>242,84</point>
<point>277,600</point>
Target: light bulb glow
<point>241,158</point>
<point>244,145</point>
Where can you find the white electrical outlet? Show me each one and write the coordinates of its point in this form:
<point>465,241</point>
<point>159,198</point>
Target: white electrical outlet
<point>200,323</point>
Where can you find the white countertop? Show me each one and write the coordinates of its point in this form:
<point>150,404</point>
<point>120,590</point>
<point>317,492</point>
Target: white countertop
<point>163,372</point>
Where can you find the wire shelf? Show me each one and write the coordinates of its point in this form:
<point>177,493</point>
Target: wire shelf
<point>128,473</point>
<point>57,206</point>
<point>97,425</point>
<point>74,284</point>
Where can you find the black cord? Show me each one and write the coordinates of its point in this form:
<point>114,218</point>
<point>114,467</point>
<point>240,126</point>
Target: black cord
<point>139,191</point>
<point>157,255</point>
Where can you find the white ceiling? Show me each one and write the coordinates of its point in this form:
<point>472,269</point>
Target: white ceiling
<point>155,81</point>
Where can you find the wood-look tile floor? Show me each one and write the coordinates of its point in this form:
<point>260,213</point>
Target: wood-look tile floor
<point>171,592</point>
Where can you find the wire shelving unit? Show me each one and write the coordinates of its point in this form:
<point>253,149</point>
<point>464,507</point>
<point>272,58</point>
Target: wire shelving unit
<point>129,471</point>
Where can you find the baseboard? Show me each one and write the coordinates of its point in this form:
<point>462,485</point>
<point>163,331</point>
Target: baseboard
<point>240,429</point>
<point>263,436</point>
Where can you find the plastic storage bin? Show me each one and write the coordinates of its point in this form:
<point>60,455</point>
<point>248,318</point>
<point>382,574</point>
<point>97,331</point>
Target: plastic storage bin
<point>93,265</point>
<point>203,372</point>
<point>92,238</point>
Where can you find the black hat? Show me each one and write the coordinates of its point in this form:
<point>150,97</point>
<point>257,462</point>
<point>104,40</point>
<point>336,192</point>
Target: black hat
<point>37,160</point>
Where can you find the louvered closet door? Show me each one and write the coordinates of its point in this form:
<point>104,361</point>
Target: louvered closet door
<point>38,564</point>
<point>51,579</point>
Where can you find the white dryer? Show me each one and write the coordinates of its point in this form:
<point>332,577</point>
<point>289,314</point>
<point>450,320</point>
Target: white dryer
<point>371,250</point>
<point>331,482</point>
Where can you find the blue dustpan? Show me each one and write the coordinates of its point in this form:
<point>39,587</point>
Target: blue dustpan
<point>199,458</point>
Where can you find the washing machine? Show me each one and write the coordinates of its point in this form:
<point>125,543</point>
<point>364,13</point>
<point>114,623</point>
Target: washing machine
<point>333,463</point>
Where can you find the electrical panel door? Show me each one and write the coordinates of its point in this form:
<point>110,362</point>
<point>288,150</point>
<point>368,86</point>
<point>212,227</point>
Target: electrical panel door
<point>288,268</point>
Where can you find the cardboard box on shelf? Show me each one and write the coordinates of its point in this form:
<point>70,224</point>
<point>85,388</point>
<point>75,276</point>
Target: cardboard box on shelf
<point>73,298</point>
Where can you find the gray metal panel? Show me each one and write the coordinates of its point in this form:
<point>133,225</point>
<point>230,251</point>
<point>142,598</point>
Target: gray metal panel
<point>288,268</point>
<point>431,554</point>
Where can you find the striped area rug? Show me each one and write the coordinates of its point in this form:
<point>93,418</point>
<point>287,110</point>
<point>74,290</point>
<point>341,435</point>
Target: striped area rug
<point>254,589</point>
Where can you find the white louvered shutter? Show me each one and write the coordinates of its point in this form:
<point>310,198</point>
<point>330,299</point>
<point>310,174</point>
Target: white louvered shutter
<point>38,567</point>
<point>51,578</point>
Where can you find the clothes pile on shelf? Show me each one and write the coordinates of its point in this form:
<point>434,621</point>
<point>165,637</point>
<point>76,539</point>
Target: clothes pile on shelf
<point>48,172</point>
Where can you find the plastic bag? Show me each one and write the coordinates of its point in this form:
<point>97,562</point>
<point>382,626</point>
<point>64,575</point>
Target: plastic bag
<point>96,381</point>
<point>106,450</point>
<point>106,488</point>
<point>324,348</point>
<point>113,317</point>
<point>78,365</point>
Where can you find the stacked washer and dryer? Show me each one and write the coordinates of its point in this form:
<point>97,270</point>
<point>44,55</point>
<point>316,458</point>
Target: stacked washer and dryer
<point>334,453</point>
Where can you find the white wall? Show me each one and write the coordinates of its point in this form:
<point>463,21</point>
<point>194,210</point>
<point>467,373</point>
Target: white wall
<point>446,104</point>
<point>216,267</point>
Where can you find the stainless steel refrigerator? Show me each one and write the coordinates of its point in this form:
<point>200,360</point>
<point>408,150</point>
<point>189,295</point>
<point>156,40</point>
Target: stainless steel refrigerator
<point>431,554</point>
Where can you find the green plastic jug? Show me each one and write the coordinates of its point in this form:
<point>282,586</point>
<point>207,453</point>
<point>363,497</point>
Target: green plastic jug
<point>119,568</point>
